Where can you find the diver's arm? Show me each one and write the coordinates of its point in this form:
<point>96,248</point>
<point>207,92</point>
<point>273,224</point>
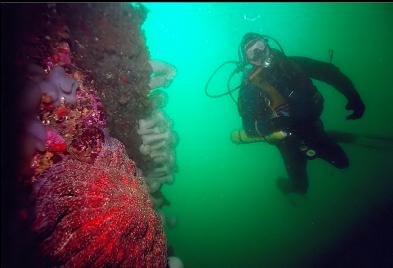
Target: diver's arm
<point>249,127</point>
<point>247,106</point>
<point>330,74</point>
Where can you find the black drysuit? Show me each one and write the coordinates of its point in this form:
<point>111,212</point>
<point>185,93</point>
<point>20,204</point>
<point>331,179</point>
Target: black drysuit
<point>283,97</point>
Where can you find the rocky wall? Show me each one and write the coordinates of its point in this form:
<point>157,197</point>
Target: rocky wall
<point>70,53</point>
<point>108,41</point>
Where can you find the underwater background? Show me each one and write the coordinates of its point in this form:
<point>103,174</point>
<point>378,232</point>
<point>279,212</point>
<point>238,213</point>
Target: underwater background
<point>229,211</point>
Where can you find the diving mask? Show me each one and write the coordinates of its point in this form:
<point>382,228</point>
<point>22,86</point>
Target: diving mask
<point>258,53</point>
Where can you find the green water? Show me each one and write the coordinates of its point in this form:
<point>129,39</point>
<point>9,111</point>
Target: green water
<point>229,211</point>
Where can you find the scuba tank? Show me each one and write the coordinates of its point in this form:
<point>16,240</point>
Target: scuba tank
<point>239,136</point>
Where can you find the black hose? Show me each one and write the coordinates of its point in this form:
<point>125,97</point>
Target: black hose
<point>239,67</point>
<point>275,41</point>
<point>228,86</point>
<point>212,75</point>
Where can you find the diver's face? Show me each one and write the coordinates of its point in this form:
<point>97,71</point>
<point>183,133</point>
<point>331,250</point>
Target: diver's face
<point>257,52</point>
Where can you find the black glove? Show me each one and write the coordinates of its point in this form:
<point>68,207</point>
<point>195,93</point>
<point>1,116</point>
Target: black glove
<point>357,107</point>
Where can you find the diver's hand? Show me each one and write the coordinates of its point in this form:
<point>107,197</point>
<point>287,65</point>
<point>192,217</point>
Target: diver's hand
<point>357,107</point>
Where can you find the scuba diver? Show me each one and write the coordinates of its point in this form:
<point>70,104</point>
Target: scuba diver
<point>278,102</point>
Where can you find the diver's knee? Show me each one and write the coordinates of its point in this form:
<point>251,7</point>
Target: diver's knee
<point>342,163</point>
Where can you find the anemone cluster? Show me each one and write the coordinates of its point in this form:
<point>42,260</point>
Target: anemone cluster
<point>158,138</point>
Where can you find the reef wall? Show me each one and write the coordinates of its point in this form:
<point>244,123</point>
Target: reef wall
<point>75,81</point>
<point>108,42</point>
